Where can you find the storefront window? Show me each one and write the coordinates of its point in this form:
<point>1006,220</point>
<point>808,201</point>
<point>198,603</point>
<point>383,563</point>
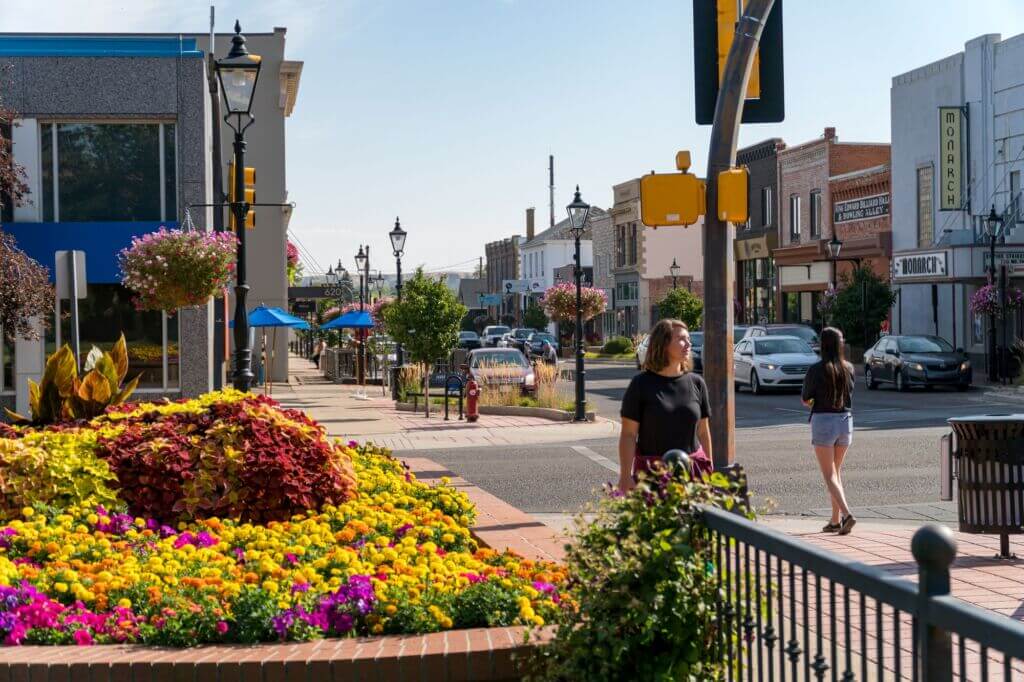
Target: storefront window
<point>791,311</point>
<point>108,172</point>
<point>104,314</point>
<point>6,365</point>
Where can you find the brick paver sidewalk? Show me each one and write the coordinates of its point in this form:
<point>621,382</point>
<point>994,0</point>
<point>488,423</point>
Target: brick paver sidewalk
<point>377,420</point>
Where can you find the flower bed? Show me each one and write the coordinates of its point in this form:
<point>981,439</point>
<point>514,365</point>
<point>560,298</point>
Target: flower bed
<point>133,531</point>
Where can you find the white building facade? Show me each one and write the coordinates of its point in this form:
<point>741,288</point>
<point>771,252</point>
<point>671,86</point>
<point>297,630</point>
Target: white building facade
<point>957,154</point>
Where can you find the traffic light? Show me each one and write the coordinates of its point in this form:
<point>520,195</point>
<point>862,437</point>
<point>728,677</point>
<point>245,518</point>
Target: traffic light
<point>732,195</point>
<point>250,195</point>
<point>672,198</point>
<point>714,26</point>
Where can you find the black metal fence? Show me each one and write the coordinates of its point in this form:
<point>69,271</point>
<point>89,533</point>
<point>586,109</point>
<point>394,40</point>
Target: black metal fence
<point>791,611</point>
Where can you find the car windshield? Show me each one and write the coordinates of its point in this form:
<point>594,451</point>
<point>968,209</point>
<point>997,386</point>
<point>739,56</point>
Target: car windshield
<point>737,334</point>
<point>492,331</point>
<point>697,339</point>
<point>805,333</point>
<point>523,333</point>
<point>772,346</point>
<point>541,338</point>
<point>924,344</point>
<point>468,335</point>
<point>496,359</point>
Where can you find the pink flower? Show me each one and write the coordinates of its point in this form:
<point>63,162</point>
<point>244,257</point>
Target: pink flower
<point>222,627</point>
<point>83,638</point>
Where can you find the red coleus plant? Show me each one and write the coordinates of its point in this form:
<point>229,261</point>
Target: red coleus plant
<point>248,459</point>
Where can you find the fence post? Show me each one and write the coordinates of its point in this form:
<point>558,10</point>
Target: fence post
<point>934,549</point>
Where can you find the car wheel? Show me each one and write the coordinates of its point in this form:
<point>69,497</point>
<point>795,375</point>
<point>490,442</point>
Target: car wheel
<point>755,383</point>
<point>901,384</point>
<point>962,387</point>
<point>869,380</point>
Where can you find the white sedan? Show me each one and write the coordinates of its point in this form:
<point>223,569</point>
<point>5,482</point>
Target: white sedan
<point>771,362</point>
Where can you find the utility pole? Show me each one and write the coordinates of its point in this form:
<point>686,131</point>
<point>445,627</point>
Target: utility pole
<point>719,267</point>
<point>551,187</point>
<point>217,166</point>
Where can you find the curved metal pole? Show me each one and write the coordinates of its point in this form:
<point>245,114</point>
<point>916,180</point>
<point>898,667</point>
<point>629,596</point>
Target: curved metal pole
<point>719,267</point>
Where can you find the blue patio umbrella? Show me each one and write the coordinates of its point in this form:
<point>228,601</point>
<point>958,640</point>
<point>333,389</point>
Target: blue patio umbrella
<point>353,319</point>
<point>264,316</point>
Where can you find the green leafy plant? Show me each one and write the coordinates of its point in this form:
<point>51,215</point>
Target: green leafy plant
<point>425,321</point>
<point>535,318</point>
<point>617,345</point>
<point>848,313</point>
<point>645,582</point>
<point>680,304</point>
<point>61,395</point>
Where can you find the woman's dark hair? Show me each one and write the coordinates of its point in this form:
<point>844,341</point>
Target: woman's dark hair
<point>657,345</point>
<point>837,370</point>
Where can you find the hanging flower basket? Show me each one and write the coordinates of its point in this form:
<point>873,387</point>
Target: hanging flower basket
<point>171,269</point>
<point>559,302</point>
<point>985,301</point>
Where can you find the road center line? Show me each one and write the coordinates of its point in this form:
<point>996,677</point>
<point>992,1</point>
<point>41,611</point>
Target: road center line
<point>595,457</point>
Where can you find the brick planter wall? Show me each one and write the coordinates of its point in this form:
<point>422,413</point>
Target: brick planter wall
<point>477,654</point>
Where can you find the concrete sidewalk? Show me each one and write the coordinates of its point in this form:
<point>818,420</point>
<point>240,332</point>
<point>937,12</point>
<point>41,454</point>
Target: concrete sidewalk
<point>376,419</point>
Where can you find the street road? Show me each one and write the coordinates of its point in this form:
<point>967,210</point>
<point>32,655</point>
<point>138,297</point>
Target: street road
<point>893,460</point>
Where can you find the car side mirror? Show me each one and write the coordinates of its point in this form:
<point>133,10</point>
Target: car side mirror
<point>961,351</point>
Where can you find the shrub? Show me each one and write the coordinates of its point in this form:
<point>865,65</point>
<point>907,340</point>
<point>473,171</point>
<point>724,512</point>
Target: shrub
<point>535,318</point>
<point>171,269</point>
<point>52,468</point>
<point>645,576</point>
<point>617,345</point>
<point>245,459</point>
<point>680,304</point>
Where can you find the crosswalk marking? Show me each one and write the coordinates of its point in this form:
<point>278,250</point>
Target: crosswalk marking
<point>595,457</point>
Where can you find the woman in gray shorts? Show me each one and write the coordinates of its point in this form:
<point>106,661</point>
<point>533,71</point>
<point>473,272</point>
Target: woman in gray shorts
<point>828,391</point>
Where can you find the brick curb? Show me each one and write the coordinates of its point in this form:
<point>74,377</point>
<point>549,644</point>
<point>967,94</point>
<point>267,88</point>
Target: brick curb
<point>455,655</point>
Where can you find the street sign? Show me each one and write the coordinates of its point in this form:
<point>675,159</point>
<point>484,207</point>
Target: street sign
<point>713,31</point>
<point>63,277</point>
<point>304,307</point>
<point>490,299</point>
<point>515,286</point>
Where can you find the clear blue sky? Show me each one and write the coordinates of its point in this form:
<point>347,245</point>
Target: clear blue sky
<point>444,112</point>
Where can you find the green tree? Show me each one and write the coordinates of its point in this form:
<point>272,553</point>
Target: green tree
<point>681,304</point>
<point>848,314</point>
<point>535,318</point>
<point>425,322</point>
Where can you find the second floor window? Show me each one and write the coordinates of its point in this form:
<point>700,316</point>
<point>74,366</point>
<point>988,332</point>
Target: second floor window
<point>794,216</point>
<point>108,172</point>
<point>632,244</point>
<point>767,207</point>
<point>816,213</point>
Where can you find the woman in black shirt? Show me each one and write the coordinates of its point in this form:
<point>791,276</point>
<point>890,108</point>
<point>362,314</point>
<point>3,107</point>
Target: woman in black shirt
<point>828,391</point>
<point>665,407</point>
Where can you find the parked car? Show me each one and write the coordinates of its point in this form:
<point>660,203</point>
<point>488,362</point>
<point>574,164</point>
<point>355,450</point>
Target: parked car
<point>535,342</point>
<point>697,351</point>
<point>492,334</point>
<point>763,362</point>
<point>502,366</point>
<point>738,332</point>
<point>801,331</point>
<point>469,340</point>
<point>517,338</point>
<point>906,361</point>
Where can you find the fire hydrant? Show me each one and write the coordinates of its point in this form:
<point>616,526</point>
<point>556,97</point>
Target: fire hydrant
<point>472,400</point>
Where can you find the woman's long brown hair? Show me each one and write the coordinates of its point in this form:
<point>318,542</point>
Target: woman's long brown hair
<point>837,370</point>
<point>657,345</point>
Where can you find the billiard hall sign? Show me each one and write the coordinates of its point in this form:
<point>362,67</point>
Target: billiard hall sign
<point>928,264</point>
<point>861,209</point>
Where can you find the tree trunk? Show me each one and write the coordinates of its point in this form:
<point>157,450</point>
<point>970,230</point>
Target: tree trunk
<point>426,388</point>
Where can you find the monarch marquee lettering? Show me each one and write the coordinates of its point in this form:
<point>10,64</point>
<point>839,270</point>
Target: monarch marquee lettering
<point>920,265</point>
<point>950,159</point>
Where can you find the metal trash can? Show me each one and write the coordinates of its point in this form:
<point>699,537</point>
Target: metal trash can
<point>989,454</point>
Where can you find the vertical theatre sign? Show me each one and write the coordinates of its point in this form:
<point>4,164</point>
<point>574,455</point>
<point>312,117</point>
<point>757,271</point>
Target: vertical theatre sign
<point>950,159</point>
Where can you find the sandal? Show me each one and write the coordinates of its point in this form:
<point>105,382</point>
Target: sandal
<point>846,525</point>
<point>832,527</point>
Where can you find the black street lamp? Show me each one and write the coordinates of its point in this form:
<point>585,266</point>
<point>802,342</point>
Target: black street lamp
<point>833,247</point>
<point>579,211</point>
<point>398,236</point>
<point>330,276</point>
<point>674,269</point>
<point>992,223</point>
<point>363,265</point>
<point>238,73</point>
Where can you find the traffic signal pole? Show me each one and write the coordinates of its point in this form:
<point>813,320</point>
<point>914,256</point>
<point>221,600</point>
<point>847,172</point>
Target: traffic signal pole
<point>719,266</point>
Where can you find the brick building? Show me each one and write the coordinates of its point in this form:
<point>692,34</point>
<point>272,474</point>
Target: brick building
<point>861,219</point>
<point>755,268</point>
<point>502,264</point>
<point>806,220</point>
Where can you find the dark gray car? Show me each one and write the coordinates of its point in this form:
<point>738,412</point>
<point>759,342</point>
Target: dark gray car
<point>906,361</point>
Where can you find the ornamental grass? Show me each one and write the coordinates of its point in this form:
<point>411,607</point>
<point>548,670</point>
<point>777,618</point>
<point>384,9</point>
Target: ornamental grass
<point>165,524</point>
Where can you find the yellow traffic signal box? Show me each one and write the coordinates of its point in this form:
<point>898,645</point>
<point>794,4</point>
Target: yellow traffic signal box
<point>732,195</point>
<point>671,199</point>
<point>250,194</point>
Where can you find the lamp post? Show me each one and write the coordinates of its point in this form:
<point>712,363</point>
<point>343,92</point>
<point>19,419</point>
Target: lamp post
<point>579,211</point>
<point>674,269</point>
<point>833,247</point>
<point>992,222</point>
<point>363,265</point>
<point>398,236</point>
<point>238,73</point>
